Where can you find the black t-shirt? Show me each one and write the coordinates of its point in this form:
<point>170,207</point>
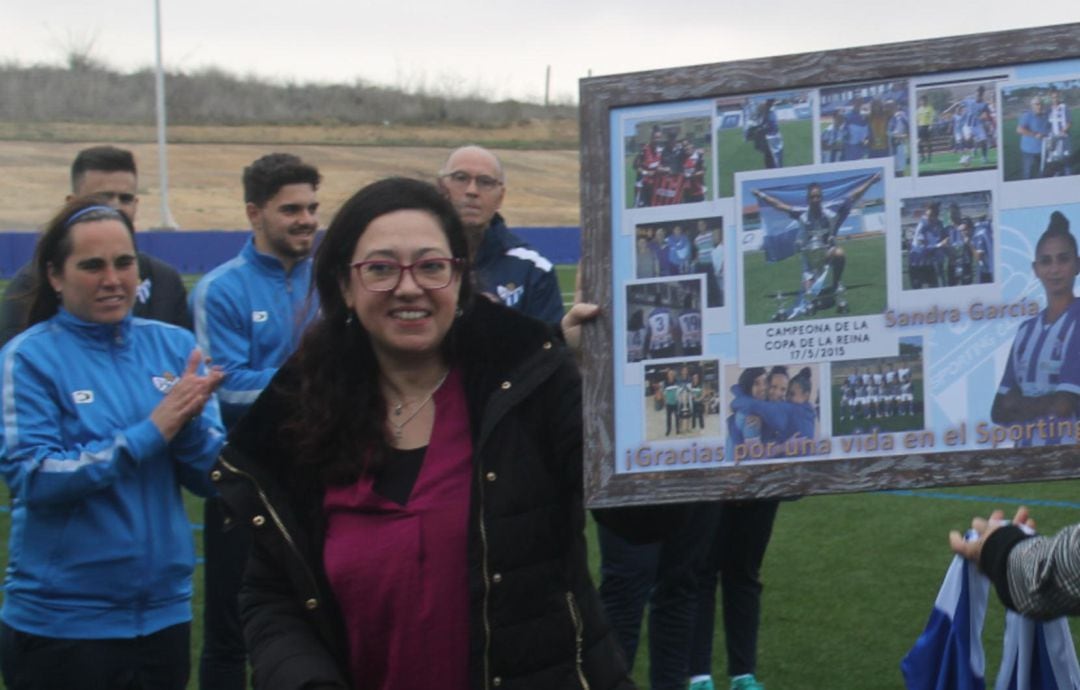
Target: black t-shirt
<point>398,475</point>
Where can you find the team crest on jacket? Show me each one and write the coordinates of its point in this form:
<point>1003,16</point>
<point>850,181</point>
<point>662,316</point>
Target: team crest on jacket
<point>165,382</point>
<point>142,293</point>
<point>259,316</point>
<point>510,294</point>
<point>82,397</point>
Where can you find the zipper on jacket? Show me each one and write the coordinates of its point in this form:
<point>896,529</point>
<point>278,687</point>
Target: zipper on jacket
<point>496,413</point>
<point>116,353</point>
<point>579,638</point>
<point>487,580</point>
<point>276,520</point>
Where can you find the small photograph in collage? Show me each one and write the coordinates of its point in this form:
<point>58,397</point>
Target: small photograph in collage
<point>664,319</point>
<point>957,127</point>
<point>1037,132</point>
<point>682,400</point>
<point>763,131</point>
<point>882,394</point>
<point>869,120</point>
<point>667,162</point>
<point>947,240</point>
<point>683,247</point>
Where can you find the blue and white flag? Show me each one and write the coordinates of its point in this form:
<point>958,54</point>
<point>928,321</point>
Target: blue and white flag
<point>782,232</point>
<point>1037,656</point>
<point>948,654</point>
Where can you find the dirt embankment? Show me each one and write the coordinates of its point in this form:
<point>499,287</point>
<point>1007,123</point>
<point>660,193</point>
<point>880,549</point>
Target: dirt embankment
<point>205,163</point>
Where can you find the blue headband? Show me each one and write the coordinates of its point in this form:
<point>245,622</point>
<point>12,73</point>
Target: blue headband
<point>106,211</point>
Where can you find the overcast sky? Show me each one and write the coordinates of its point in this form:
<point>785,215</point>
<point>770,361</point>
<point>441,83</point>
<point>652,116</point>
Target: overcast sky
<point>491,48</point>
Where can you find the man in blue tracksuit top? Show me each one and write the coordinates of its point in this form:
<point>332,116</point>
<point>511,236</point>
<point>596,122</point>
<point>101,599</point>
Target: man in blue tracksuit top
<point>250,313</point>
<point>505,268</point>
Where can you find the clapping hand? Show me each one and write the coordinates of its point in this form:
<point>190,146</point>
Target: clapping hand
<point>187,397</point>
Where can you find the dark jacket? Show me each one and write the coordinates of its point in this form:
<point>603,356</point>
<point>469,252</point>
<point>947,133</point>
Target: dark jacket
<point>160,296</point>
<point>517,275</point>
<point>536,619</point>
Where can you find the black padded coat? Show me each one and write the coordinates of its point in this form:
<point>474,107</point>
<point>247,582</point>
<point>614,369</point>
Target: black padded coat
<point>536,620</point>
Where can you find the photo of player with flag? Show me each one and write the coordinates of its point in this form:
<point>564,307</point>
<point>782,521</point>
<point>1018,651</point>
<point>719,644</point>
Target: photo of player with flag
<point>813,245</point>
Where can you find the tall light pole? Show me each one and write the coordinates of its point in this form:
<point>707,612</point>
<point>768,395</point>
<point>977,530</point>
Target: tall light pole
<point>167,220</point>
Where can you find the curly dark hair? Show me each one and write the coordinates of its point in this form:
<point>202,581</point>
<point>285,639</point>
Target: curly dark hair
<point>339,424</point>
<point>266,176</point>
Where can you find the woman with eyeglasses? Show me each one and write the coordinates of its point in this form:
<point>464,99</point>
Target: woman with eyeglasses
<point>106,417</point>
<point>413,475</point>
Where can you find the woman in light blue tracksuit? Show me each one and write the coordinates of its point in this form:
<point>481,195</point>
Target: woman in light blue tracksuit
<point>105,417</point>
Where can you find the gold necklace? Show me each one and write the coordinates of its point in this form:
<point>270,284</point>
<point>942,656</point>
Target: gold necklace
<point>398,406</point>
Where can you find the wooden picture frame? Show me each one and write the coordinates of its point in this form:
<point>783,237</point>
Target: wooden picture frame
<point>1010,60</point>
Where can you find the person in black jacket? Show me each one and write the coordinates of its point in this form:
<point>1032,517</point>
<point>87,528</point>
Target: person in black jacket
<point>413,475</point>
<point>108,174</point>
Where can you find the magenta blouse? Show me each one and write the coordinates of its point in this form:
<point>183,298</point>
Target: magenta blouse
<point>399,568</point>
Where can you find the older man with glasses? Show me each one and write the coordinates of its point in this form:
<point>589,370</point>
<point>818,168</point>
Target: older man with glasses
<point>505,268</point>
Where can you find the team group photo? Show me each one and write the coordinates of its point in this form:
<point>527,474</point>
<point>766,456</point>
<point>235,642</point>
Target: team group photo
<point>669,162</point>
<point>880,394</point>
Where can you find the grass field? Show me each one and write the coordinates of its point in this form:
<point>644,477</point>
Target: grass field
<point>735,154</point>
<point>864,277</point>
<point>849,579</point>
<point>949,162</point>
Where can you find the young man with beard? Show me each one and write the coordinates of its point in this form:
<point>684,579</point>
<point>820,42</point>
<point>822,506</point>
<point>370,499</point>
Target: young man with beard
<point>250,313</point>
